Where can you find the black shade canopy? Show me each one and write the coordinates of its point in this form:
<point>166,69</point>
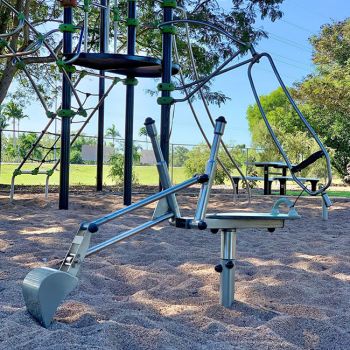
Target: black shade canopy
<point>135,66</point>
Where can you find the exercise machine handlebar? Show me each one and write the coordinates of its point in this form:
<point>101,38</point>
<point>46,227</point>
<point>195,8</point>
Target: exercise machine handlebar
<point>314,157</point>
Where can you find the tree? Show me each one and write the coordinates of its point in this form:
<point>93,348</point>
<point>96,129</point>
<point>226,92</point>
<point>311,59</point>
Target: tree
<point>210,48</point>
<point>289,129</point>
<point>25,142</point>
<point>327,91</point>
<point>3,125</point>
<point>113,133</point>
<point>197,159</point>
<point>143,132</point>
<point>180,156</point>
<point>13,111</point>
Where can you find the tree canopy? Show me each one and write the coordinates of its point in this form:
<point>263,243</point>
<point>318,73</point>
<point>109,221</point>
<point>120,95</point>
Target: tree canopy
<point>323,97</point>
<point>209,46</point>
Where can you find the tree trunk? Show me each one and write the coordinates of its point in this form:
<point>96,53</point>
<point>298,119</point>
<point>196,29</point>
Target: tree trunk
<point>14,132</point>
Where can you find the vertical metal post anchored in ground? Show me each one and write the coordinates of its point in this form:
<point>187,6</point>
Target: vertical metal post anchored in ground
<point>228,258</point>
<point>101,110</point>
<point>66,122</point>
<point>166,79</point>
<point>129,112</point>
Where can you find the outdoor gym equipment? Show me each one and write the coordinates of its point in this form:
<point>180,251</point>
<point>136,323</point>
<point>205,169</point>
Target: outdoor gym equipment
<point>45,288</point>
<point>133,66</point>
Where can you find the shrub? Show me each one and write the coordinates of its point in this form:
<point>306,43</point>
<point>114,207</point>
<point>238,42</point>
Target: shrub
<point>116,171</point>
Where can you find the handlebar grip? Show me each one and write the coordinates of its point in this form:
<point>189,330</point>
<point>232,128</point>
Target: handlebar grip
<point>308,161</point>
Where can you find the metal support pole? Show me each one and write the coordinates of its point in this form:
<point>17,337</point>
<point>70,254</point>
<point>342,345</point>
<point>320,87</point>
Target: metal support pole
<point>129,112</point>
<point>65,128</point>
<point>324,210</point>
<point>228,259</point>
<point>101,111</point>
<point>166,79</point>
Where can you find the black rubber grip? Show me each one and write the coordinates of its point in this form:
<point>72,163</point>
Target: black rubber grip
<point>308,161</point>
<point>149,121</point>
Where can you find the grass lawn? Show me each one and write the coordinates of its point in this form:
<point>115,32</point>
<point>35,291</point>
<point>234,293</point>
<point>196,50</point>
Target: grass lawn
<point>84,175</point>
<point>330,193</point>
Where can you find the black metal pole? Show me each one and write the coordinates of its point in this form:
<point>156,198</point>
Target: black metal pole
<point>101,111</point>
<point>166,79</point>
<point>129,112</point>
<point>65,128</point>
<point>0,149</point>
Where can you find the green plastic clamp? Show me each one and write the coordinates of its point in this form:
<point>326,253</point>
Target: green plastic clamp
<point>3,43</point>
<point>168,30</point>
<point>66,113</point>
<point>83,73</point>
<point>68,68</point>
<point>166,87</point>
<point>165,100</point>
<point>116,81</point>
<point>132,22</point>
<point>20,64</point>
<point>21,16</point>
<point>50,115</point>
<point>17,172</point>
<point>169,3</point>
<point>50,172</point>
<point>82,112</point>
<point>70,28</point>
<point>130,81</point>
<point>35,171</point>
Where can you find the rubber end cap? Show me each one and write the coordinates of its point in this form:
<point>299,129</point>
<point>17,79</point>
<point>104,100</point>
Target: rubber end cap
<point>218,268</point>
<point>271,229</point>
<point>230,264</point>
<point>221,120</point>
<point>149,121</point>
<point>83,226</point>
<point>93,228</point>
<point>202,225</point>
<point>204,178</point>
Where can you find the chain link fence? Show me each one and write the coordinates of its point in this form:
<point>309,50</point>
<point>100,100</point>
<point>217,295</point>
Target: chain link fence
<point>16,144</point>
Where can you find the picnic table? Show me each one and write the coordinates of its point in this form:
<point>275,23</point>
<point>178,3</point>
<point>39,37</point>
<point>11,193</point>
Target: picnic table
<point>267,165</point>
<point>282,176</point>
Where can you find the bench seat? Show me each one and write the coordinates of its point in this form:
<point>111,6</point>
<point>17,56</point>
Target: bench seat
<point>237,179</point>
<point>283,182</point>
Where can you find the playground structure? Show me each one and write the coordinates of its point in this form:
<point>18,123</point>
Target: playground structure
<point>44,288</point>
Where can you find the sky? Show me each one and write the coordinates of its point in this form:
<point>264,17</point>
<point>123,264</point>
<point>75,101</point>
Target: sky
<point>287,43</point>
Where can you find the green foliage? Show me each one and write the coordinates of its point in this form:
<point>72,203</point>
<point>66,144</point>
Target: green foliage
<point>25,143</point>
<point>197,159</point>
<point>75,157</point>
<point>116,170</point>
<point>81,141</point>
<point>180,156</point>
<point>113,133</point>
<point>292,134</point>
<point>3,118</point>
<point>210,48</point>
<point>327,92</point>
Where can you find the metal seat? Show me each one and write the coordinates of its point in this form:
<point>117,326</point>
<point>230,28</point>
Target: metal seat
<point>239,220</point>
<point>129,65</point>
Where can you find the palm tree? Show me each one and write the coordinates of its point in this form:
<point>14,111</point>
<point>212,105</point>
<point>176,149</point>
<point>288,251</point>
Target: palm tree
<point>113,133</point>
<point>14,112</point>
